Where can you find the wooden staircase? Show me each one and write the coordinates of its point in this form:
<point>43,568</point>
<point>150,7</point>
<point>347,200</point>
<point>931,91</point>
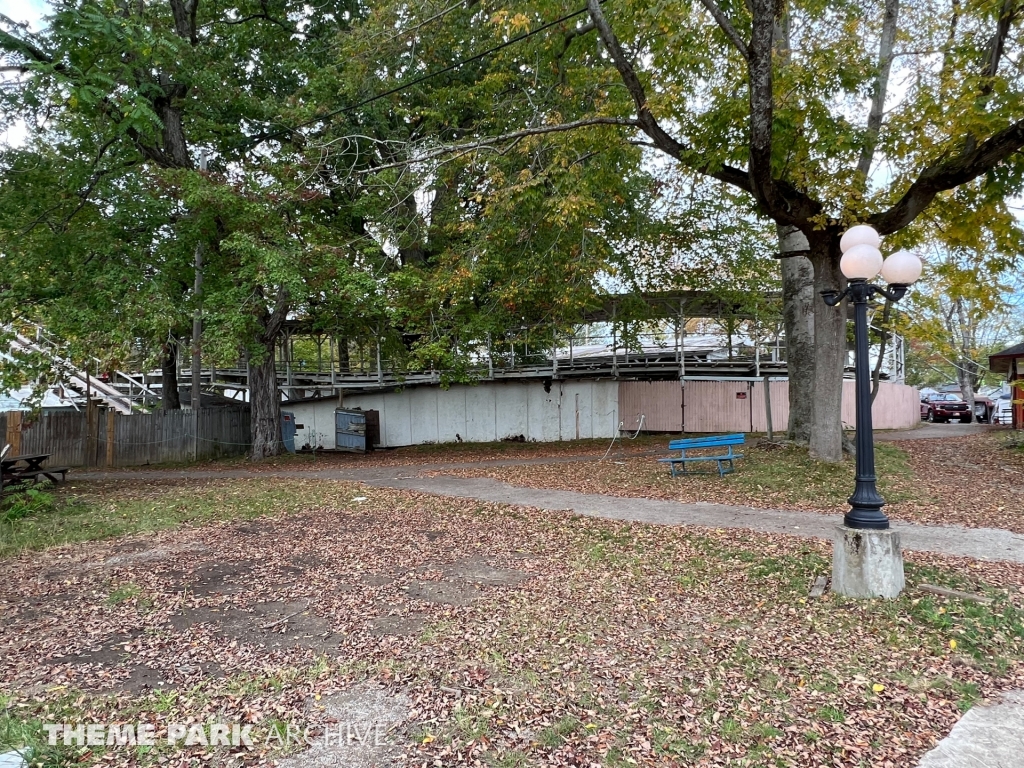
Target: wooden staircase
<point>80,381</point>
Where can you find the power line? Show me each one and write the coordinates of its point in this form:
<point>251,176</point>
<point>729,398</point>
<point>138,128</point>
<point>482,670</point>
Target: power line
<point>445,70</point>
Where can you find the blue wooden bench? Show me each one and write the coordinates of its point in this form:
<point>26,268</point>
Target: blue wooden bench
<point>725,460</point>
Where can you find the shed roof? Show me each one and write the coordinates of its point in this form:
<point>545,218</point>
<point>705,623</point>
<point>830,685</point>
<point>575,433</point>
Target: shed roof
<point>1000,361</point>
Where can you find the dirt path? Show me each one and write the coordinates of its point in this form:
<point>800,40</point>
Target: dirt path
<point>980,543</point>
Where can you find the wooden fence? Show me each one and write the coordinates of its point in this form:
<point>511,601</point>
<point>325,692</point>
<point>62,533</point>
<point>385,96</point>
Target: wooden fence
<point>96,438</point>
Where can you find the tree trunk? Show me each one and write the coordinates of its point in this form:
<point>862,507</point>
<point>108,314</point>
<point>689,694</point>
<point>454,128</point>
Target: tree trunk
<point>967,370</point>
<point>798,316</point>
<point>343,355</point>
<point>883,345</point>
<point>169,377</point>
<point>826,443</point>
<point>266,406</point>
<point>966,380</point>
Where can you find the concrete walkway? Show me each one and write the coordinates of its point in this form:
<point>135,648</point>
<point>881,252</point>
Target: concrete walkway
<point>979,543</point>
<point>988,736</point>
<point>934,432</point>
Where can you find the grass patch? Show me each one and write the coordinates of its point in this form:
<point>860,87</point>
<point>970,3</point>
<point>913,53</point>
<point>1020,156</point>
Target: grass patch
<point>792,476</point>
<point>123,594</point>
<point>766,477</point>
<point>95,511</point>
<point>22,720</point>
<point>556,734</point>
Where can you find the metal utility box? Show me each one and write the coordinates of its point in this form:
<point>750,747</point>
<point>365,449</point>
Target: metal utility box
<point>288,430</point>
<point>350,430</point>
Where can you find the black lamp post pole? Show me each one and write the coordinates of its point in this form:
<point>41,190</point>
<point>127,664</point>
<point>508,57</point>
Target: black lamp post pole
<point>866,502</point>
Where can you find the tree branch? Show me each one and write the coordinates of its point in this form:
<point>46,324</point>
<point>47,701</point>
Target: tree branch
<point>257,16</point>
<point>1007,15</point>
<point>575,32</point>
<point>762,108</point>
<point>645,119</point>
<point>728,28</point>
<point>274,321</point>
<point>969,164</point>
<point>33,53</point>
<point>881,86</point>
<point>184,14</point>
<point>514,136</point>
<point>571,35</point>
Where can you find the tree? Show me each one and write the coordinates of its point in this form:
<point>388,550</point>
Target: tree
<point>121,100</point>
<point>476,245</point>
<point>784,117</point>
<point>763,96</point>
<point>967,313</point>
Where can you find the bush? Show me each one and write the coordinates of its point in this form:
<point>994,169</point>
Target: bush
<point>30,501</point>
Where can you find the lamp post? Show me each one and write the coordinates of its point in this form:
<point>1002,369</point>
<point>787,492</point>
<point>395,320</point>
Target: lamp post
<point>862,260</point>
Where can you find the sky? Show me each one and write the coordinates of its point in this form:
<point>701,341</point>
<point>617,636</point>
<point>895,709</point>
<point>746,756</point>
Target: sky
<point>30,11</point>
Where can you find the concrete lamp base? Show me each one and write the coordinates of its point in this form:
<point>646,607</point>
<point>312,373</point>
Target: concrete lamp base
<point>867,563</point>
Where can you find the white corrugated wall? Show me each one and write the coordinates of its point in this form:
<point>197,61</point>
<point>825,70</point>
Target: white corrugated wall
<point>482,413</point>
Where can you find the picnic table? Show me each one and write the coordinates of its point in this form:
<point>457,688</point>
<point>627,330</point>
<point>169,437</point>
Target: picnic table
<point>15,470</point>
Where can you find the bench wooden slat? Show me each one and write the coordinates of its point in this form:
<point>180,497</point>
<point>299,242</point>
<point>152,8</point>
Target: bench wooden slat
<point>707,442</point>
<point>677,459</point>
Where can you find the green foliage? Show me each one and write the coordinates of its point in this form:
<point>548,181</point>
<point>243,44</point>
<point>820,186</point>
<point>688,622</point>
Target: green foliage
<point>964,310</point>
<point>103,207</point>
<point>346,191</point>
<point>47,520</point>
<point>30,501</point>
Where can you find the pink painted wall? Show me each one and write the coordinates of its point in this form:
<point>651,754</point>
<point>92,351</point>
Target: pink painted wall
<point>739,406</point>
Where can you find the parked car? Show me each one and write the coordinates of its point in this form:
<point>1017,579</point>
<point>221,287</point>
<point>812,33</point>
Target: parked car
<point>1003,413</point>
<point>944,407</point>
<point>983,409</point>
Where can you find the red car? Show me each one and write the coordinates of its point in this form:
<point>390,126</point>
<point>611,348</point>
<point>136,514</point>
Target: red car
<point>941,407</point>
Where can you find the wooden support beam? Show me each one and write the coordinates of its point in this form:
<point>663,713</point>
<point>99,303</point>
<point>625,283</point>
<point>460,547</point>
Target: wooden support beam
<point>111,431</point>
<point>14,419</point>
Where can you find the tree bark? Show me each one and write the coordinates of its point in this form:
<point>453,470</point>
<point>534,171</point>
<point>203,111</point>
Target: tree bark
<point>798,317</point>
<point>887,39</point>
<point>883,345</point>
<point>343,354</point>
<point>826,441</point>
<point>266,406</point>
<point>169,377</point>
<point>967,369</point>
<point>966,380</point>
<point>264,398</point>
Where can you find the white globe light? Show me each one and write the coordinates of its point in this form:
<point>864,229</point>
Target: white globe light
<point>861,261</point>
<point>860,234</point>
<point>902,268</point>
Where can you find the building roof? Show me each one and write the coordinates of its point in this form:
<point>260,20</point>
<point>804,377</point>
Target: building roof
<point>1000,362</point>
<point>54,398</point>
